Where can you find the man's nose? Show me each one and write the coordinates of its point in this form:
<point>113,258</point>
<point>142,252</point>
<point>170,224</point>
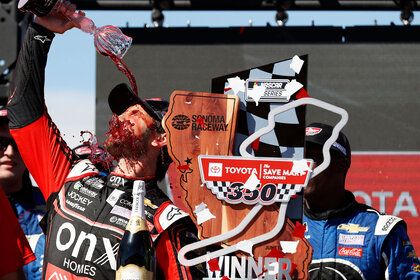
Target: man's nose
<point>9,150</point>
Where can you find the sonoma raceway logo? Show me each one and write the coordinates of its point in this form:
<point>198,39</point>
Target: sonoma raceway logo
<point>254,180</point>
<point>200,122</point>
<point>181,122</point>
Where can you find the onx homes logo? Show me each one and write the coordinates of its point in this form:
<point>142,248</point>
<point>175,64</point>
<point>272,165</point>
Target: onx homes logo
<point>273,89</point>
<point>254,180</point>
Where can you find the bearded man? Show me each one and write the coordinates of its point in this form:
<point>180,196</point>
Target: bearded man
<point>88,212</point>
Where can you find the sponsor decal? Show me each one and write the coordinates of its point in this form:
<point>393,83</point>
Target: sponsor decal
<point>215,169</point>
<point>352,228</point>
<point>385,224</point>
<point>254,180</point>
<point>169,215</point>
<point>41,38</point>
<point>75,205</point>
<point>121,211</point>
<point>407,243</point>
<point>89,167</point>
<point>173,212</point>
<point>208,123</point>
<point>88,192</point>
<point>77,185</point>
<point>388,223</point>
<point>83,247</point>
<point>147,202</point>
<point>77,268</point>
<point>181,122</point>
<point>310,131</point>
<point>94,182</point>
<point>350,252</point>
<point>415,267</point>
<point>273,89</point>
<point>118,221</point>
<point>126,203</point>
<point>351,239</point>
<point>114,196</point>
<point>117,180</point>
<point>83,167</point>
<point>78,198</point>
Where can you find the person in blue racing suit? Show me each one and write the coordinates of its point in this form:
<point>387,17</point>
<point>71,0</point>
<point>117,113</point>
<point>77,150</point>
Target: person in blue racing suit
<point>27,201</point>
<point>350,240</point>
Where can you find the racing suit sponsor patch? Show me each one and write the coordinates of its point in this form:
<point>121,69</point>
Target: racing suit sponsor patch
<point>169,215</point>
<point>385,224</point>
<point>351,239</point>
<point>350,252</point>
<point>121,211</point>
<point>352,228</point>
<point>83,168</point>
<point>113,197</point>
<point>407,243</point>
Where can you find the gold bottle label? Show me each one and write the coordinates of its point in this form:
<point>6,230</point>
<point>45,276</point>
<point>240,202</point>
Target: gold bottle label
<point>133,272</point>
<point>136,224</point>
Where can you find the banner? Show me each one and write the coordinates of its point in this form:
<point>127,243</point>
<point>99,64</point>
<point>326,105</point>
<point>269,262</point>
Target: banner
<point>389,182</point>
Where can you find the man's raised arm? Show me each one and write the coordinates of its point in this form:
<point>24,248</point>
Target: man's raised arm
<point>45,153</point>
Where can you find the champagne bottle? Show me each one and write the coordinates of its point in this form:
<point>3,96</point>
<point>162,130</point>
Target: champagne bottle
<point>136,256</point>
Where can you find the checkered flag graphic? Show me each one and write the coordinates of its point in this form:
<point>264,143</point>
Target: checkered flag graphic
<point>286,191</point>
<point>287,138</point>
<point>220,189</point>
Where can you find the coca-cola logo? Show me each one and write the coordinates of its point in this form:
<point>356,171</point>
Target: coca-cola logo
<point>350,252</point>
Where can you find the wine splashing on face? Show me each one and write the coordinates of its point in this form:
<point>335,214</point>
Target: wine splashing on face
<point>97,156</point>
<point>122,143</point>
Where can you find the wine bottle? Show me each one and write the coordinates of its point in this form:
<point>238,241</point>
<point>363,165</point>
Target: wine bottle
<point>136,256</point>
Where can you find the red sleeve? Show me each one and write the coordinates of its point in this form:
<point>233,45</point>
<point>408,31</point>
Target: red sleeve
<point>167,248</point>
<point>15,249</point>
<point>45,153</point>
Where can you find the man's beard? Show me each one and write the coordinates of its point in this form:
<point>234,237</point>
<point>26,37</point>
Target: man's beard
<point>122,143</point>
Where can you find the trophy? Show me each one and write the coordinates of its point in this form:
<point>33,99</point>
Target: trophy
<point>109,40</point>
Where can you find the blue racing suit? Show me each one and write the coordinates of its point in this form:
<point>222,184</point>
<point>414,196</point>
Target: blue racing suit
<point>358,242</point>
<point>29,207</point>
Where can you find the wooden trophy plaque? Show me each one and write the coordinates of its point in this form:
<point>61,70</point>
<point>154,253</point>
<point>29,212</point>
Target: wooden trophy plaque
<point>205,124</point>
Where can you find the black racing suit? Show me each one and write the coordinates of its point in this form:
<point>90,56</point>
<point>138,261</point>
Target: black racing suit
<point>87,212</point>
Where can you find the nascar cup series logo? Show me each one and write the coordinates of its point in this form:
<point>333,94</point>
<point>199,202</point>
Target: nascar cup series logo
<point>273,89</point>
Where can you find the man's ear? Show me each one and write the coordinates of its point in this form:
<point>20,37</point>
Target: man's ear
<point>160,140</point>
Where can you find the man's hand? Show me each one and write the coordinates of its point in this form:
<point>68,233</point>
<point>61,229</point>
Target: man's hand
<point>60,22</point>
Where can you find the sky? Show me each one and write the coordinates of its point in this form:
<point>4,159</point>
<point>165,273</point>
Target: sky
<point>70,73</point>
